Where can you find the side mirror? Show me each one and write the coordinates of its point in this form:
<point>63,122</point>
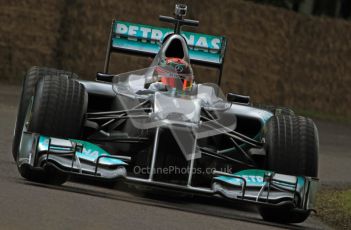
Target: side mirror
<point>237,98</point>
<point>104,77</point>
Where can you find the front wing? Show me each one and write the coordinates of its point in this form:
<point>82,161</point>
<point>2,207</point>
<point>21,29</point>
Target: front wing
<point>85,159</point>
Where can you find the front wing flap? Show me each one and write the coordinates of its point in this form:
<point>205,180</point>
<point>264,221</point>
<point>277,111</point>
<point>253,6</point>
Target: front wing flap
<point>70,156</point>
<point>267,188</point>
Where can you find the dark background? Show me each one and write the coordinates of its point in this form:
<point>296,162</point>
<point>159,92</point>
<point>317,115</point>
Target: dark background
<point>275,55</point>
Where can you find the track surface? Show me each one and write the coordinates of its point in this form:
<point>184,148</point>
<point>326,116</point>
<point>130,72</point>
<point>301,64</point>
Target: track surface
<point>80,206</point>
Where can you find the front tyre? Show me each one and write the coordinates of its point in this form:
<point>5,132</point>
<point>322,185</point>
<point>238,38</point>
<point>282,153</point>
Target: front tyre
<point>292,148</point>
<point>30,81</point>
<point>58,110</point>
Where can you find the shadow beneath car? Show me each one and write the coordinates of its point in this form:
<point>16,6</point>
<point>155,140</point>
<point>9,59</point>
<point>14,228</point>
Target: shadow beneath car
<point>210,206</point>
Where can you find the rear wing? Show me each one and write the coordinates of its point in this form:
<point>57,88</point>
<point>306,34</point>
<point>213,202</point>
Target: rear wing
<point>145,40</point>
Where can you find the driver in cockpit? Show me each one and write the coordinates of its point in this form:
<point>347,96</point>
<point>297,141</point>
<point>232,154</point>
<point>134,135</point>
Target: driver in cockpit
<point>174,75</point>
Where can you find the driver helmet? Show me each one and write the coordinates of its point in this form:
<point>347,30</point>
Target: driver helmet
<point>175,74</point>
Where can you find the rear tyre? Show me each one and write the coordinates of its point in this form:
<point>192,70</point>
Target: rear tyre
<point>292,148</point>
<point>30,81</point>
<point>58,110</point>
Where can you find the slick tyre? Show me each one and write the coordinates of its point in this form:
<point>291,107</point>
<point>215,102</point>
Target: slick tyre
<point>292,148</point>
<point>57,110</point>
<point>30,81</point>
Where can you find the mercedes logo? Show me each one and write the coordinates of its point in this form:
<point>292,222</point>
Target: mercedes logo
<point>179,68</point>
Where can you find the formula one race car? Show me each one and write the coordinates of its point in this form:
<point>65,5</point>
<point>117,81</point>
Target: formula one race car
<point>157,127</point>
